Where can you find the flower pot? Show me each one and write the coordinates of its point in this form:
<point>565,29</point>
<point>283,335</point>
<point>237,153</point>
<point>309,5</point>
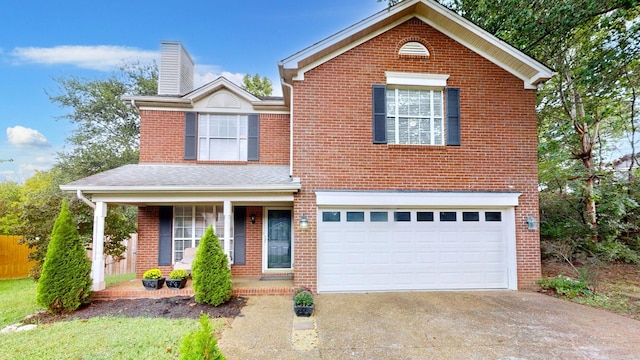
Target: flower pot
<point>153,284</point>
<point>304,311</point>
<point>176,284</point>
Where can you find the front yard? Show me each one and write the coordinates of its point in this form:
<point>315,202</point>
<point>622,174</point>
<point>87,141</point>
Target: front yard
<point>103,337</point>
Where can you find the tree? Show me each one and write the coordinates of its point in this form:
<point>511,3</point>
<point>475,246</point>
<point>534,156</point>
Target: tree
<point>10,193</point>
<point>107,129</point>
<point>39,205</point>
<point>590,43</point>
<point>65,283</point>
<point>210,271</point>
<point>256,85</point>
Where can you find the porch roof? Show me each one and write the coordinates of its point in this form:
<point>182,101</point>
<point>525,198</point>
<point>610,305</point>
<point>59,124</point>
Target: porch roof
<point>141,178</point>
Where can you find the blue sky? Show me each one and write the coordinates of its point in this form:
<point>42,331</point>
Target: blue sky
<point>44,40</point>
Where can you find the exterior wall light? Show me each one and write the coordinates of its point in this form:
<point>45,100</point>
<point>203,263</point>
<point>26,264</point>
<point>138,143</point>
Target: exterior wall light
<point>253,218</point>
<point>304,223</point>
<point>532,224</point>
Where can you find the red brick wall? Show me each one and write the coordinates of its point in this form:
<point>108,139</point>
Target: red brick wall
<point>333,136</point>
<point>148,226</point>
<point>253,263</point>
<point>162,138</point>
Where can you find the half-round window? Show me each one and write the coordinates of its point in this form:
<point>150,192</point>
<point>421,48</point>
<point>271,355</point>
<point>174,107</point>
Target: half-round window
<point>414,48</point>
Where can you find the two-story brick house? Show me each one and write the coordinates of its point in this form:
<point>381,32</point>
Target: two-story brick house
<point>402,156</point>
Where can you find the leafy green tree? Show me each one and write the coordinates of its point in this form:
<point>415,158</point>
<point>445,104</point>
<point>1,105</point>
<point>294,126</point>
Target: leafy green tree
<point>38,208</point>
<point>591,44</point>
<point>65,283</point>
<point>210,271</point>
<point>256,85</point>
<point>201,344</point>
<point>10,193</point>
<point>107,129</point>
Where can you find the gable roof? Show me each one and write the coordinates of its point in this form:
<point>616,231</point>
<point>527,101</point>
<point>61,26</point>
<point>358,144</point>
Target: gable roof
<point>189,99</point>
<point>432,13</point>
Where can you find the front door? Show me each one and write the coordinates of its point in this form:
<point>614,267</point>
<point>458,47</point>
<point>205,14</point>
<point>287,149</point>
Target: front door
<point>278,239</point>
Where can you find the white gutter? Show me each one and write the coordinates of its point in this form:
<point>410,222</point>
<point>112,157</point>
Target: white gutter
<point>84,199</point>
<point>290,127</point>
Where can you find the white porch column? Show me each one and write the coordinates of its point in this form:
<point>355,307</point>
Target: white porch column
<point>227,229</point>
<point>97,264</point>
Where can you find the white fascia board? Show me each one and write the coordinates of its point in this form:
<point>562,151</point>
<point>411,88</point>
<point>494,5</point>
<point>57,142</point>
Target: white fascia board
<point>293,187</point>
<point>184,198</point>
<point>417,79</point>
<point>405,199</point>
<point>221,82</point>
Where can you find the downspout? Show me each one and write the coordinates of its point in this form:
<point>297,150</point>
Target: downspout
<point>84,199</point>
<point>290,128</point>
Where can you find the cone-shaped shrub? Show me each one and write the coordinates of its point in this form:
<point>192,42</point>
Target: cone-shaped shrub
<point>65,282</point>
<point>201,344</point>
<point>210,271</point>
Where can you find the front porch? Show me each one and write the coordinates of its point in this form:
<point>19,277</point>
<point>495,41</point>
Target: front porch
<point>242,286</point>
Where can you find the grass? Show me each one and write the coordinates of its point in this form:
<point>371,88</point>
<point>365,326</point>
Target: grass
<point>18,297</point>
<point>102,338</point>
<point>95,338</point>
<point>17,300</point>
<point>118,278</point>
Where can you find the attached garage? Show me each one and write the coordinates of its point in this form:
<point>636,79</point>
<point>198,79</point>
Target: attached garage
<point>392,241</point>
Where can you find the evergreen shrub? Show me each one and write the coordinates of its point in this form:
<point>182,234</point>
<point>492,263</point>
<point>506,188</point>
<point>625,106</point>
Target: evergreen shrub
<point>65,282</point>
<point>210,271</point>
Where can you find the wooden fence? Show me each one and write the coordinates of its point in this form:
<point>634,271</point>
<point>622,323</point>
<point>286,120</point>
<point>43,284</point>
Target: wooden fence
<point>126,265</point>
<point>13,258</point>
<point>14,263</point>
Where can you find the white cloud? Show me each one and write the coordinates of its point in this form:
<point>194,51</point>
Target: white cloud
<point>100,57</point>
<point>25,137</point>
<point>203,74</point>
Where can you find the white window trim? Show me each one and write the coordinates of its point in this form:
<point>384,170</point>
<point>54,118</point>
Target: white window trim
<point>193,238</point>
<point>208,137</point>
<point>432,118</point>
<point>417,79</point>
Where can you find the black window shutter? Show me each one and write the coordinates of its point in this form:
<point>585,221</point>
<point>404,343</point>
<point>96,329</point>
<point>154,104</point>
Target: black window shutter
<point>239,235</point>
<point>453,116</point>
<point>379,114</point>
<point>190,135</point>
<point>253,141</point>
<point>164,234</point>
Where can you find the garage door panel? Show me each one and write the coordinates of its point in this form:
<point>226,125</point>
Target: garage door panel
<point>367,256</point>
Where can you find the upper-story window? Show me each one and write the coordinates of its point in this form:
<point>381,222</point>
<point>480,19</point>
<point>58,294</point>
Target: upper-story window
<point>414,117</point>
<point>416,109</point>
<point>222,137</point>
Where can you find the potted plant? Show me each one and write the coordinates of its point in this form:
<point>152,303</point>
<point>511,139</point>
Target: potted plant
<point>303,302</point>
<point>177,279</point>
<point>152,279</point>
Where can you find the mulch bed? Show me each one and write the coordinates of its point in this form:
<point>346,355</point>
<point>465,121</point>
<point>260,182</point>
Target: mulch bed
<point>173,308</point>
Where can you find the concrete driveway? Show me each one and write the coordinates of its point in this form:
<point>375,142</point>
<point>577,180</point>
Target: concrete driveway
<point>430,325</point>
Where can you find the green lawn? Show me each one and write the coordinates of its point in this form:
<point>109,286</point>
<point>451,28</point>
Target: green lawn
<point>95,338</point>
<point>17,300</point>
<point>102,338</point>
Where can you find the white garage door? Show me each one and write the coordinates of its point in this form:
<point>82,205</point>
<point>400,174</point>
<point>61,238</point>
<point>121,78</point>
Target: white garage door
<point>424,249</point>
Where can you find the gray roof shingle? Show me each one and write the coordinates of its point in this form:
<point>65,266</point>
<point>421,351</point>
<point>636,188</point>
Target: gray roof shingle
<point>200,176</point>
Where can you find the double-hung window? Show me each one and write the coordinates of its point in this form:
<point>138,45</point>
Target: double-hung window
<point>222,137</point>
<point>190,223</point>
<point>414,116</point>
<point>416,109</point>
